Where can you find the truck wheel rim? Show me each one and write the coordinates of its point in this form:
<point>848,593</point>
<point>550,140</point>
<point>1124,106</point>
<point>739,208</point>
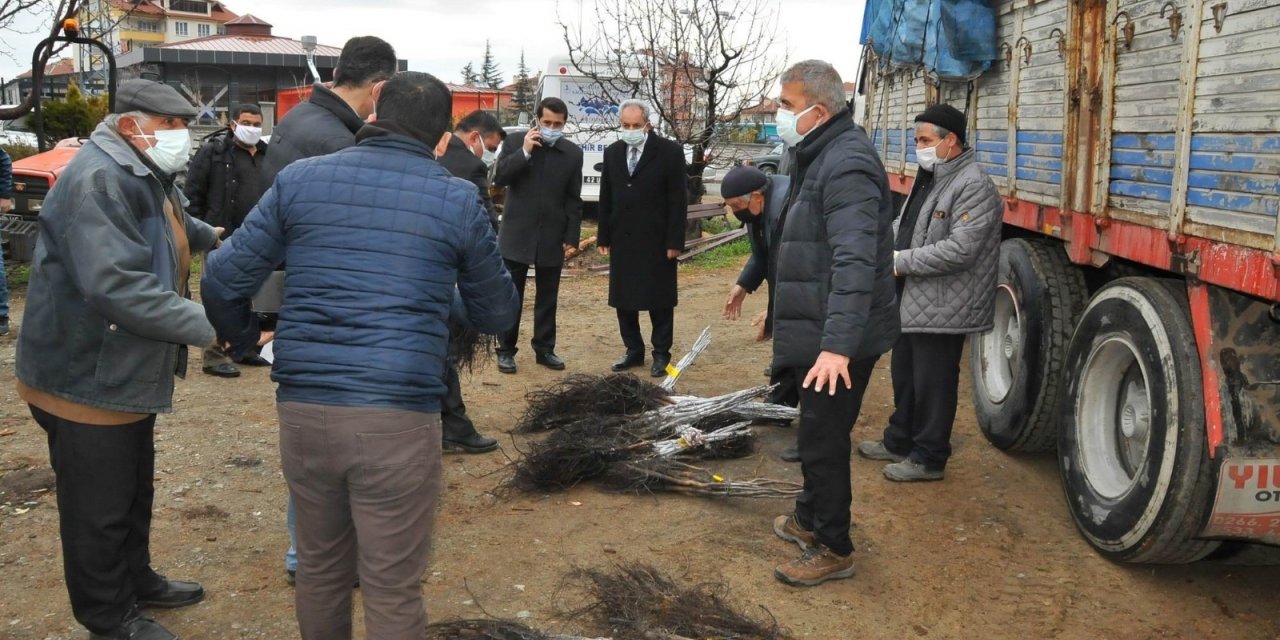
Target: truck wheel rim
<point>1001,347</point>
<point>1113,420</point>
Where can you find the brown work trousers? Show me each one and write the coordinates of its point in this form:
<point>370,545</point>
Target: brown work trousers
<point>365,482</point>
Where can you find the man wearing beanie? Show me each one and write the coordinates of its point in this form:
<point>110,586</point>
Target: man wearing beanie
<point>947,249</point>
<point>759,201</point>
<point>107,319</point>
<point>361,368</point>
<point>834,312</point>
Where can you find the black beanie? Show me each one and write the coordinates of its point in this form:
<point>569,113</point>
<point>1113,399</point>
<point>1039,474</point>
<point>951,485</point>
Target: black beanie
<point>945,116</point>
<point>741,181</point>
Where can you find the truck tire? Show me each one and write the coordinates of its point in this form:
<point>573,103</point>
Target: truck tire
<point>1132,441</point>
<point>1016,367</point>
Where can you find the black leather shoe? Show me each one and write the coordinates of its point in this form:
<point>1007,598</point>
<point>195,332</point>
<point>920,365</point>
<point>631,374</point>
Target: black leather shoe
<point>790,454</point>
<point>549,360</point>
<point>629,359</point>
<point>470,443</point>
<point>506,363</point>
<point>659,368</point>
<point>174,594</point>
<point>252,359</point>
<point>136,628</point>
<point>222,370</point>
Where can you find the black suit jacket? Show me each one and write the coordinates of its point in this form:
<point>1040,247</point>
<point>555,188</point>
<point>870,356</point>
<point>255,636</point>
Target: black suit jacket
<point>543,209</point>
<point>462,163</point>
<point>641,217</point>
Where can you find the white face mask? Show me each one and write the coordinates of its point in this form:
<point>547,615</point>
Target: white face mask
<point>927,157</point>
<point>632,137</point>
<point>171,150</point>
<point>787,121</point>
<point>247,135</point>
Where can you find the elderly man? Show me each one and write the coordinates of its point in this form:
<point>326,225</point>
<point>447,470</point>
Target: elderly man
<point>108,316</point>
<point>947,249</point>
<point>834,310</point>
<point>360,368</point>
<point>643,209</point>
<point>540,223</point>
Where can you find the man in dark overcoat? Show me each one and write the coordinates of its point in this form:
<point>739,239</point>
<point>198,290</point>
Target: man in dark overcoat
<point>643,210</point>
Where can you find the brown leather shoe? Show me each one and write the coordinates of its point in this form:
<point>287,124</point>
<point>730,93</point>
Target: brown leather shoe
<point>818,565</point>
<point>789,529</point>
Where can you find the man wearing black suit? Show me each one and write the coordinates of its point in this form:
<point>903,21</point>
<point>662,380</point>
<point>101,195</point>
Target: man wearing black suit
<point>541,221</point>
<point>471,152</point>
<point>469,155</point>
<point>643,210</point>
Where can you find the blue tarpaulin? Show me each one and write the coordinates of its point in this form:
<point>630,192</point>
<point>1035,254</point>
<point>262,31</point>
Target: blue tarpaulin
<point>952,39</point>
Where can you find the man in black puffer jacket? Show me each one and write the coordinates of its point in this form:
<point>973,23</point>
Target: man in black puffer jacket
<point>834,309</point>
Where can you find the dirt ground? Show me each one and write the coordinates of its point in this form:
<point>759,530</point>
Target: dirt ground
<point>989,553</point>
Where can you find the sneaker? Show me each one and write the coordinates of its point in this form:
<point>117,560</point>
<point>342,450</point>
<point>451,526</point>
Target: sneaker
<point>789,529</point>
<point>909,471</point>
<point>818,565</point>
<point>875,450</point>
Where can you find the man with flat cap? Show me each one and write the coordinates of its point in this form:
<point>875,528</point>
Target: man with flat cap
<point>108,319</point>
<point>947,249</point>
<point>759,202</point>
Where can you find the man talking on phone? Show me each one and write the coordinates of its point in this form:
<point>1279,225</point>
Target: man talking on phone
<point>540,223</point>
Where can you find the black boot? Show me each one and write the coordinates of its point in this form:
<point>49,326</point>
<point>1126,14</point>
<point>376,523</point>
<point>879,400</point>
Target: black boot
<point>460,435</point>
<point>629,359</point>
<point>660,362</point>
<point>136,627</point>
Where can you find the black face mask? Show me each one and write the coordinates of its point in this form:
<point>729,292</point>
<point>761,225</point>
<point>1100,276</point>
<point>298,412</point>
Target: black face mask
<point>744,216</point>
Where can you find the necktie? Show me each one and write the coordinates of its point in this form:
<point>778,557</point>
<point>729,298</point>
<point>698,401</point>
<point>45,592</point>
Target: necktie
<point>633,160</point>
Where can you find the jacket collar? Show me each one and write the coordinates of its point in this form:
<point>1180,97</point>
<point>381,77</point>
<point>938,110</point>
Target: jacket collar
<point>817,140</point>
<point>324,97</point>
<point>371,136</point>
<point>954,165</point>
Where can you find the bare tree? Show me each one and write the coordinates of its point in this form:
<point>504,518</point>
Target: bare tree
<point>699,63</point>
<point>10,10</point>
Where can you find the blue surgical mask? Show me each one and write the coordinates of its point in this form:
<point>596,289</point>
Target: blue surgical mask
<point>633,137</point>
<point>549,136</point>
<point>787,126</point>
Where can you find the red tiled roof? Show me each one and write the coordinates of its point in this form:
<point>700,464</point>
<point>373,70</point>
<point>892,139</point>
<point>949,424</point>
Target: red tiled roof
<point>63,67</point>
<point>249,18</point>
<point>217,11</point>
<point>465,88</point>
<point>249,44</point>
<point>765,106</point>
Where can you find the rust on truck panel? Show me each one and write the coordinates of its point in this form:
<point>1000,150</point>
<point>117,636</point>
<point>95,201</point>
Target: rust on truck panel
<point>1201,324</point>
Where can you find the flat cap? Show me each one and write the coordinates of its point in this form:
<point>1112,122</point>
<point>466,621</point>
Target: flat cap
<point>152,97</point>
<point>742,180</point>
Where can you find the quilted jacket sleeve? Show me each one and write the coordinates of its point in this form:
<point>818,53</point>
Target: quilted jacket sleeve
<point>488,295</point>
<point>976,208</point>
<point>6,175</point>
<point>850,207</point>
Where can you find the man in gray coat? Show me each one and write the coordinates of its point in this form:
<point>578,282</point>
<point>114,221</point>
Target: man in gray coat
<point>834,310</point>
<point>109,317</point>
<point>948,240</point>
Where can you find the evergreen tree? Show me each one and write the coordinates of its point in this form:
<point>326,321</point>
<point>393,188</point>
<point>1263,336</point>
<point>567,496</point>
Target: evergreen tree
<point>522,101</point>
<point>469,76</point>
<point>490,75</point>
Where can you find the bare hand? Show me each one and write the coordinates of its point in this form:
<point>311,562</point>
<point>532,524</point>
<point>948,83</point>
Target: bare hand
<point>733,304</point>
<point>829,368</point>
<point>672,254</point>
<point>265,337</point>
<point>532,139</point>
<point>217,236</point>
<point>604,251</point>
<point>762,327</point>
<point>6,205</point>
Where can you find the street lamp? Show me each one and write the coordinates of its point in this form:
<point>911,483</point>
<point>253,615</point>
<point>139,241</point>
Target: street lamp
<point>309,46</point>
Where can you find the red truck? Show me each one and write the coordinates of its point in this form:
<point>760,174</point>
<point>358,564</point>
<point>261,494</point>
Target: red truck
<point>1137,332</point>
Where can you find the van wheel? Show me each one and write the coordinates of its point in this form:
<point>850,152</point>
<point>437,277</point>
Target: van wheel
<point>1132,440</point>
<point>1016,367</point>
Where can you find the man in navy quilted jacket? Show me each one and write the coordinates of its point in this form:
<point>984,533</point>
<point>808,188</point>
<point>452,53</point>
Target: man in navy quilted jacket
<point>378,238</point>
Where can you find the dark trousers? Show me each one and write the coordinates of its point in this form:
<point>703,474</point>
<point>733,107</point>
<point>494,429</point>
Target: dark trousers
<point>547,281</point>
<point>787,389</point>
<point>105,483</point>
<point>826,422</point>
<point>453,411</point>
<point>663,321</point>
<point>926,375</point>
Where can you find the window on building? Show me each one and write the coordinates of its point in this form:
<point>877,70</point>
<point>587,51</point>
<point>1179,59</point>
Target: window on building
<point>180,28</point>
<point>189,6</point>
<point>222,31</point>
<point>202,30</point>
<point>149,26</point>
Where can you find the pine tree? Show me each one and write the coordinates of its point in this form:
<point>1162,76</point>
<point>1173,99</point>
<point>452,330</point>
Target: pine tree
<point>469,76</point>
<point>490,75</point>
<point>522,101</point>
